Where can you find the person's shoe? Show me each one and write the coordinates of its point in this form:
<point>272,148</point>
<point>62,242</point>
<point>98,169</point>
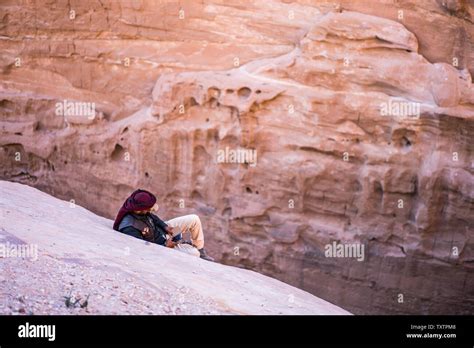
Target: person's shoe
<point>204,255</point>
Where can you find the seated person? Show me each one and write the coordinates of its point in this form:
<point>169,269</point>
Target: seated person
<point>136,219</point>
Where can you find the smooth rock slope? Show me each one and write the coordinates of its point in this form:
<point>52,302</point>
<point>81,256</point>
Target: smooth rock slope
<point>79,255</point>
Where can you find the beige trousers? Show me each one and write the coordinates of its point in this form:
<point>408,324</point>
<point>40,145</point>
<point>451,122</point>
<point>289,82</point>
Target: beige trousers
<point>192,224</point>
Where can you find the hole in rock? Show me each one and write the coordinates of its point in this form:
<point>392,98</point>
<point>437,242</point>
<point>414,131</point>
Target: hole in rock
<point>147,175</point>
<point>117,153</point>
<point>6,104</point>
<point>405,142</point>
<point>258,91</point>
<point>378,187</point>
<point>403,137</point>
<point>195,195</point>
<point>248,189</point>
<point>19,133</point>
<point>229,91</point>
<point>192,102</point>
<point>244,92</point>
<point>213,102</point>
<point>214,92</point>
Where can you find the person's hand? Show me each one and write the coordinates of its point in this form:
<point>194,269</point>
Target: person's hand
<point>170,230</point>
<point>170,244</point>
<point>146,233</point>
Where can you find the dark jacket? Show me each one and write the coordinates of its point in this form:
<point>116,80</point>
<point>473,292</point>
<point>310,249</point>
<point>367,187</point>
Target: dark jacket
<point>133,225</point>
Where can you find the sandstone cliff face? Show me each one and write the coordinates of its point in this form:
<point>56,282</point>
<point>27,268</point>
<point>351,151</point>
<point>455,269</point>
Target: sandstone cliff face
<point>307,85</point>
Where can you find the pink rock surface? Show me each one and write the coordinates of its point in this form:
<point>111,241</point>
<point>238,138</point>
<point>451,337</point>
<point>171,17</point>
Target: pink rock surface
<point>305,84</point>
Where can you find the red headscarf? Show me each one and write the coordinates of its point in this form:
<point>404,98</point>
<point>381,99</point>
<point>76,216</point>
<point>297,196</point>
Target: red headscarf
<point>138,200</point>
